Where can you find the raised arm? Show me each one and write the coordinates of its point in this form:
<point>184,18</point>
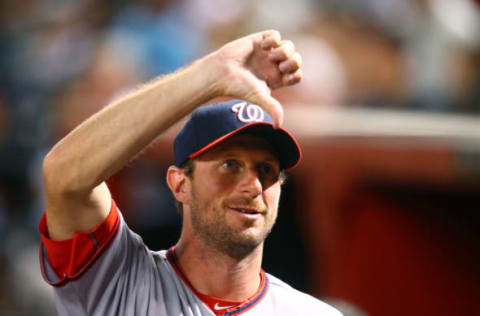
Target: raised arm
<point>75,169</point>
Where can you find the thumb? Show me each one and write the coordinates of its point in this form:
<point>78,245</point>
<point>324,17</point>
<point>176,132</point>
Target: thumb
<point>272,106</point>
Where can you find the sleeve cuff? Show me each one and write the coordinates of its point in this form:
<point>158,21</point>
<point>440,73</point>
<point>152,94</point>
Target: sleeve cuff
<point>71,258</point>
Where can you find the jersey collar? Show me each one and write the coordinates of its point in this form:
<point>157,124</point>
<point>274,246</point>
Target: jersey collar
<point>217,305</point>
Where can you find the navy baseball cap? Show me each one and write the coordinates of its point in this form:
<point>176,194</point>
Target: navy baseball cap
<point>213,124</point>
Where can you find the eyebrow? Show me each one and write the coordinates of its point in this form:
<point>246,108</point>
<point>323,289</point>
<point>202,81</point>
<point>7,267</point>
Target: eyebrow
<point>272,159</point>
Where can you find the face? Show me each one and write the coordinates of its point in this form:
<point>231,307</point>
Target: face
<point>235,194</point>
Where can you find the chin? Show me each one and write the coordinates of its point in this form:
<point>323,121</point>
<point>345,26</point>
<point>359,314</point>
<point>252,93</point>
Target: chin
<point>241,249</point>
<point>243,244</point>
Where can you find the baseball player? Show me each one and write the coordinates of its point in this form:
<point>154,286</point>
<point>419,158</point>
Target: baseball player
<point>226,176</point>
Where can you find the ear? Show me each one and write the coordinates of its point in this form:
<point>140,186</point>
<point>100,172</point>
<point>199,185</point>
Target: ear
<point>179,184</point>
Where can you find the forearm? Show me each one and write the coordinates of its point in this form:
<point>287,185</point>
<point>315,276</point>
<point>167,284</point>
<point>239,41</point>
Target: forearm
<point>75,169</point>
<point>107,141</point>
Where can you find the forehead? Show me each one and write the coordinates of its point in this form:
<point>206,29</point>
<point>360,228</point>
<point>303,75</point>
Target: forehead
<point>240,144</point>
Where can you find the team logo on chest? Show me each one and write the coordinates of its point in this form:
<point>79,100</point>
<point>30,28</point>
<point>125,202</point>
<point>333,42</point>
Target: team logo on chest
<point>248,113</point>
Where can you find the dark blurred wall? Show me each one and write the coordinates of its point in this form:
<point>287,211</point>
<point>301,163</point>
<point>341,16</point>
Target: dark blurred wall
<point>393,226</point>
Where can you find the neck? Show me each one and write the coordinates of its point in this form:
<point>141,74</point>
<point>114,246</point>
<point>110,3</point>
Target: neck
<point>216,274</point>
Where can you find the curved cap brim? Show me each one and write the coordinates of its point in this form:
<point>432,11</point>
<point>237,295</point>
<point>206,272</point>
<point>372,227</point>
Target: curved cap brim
<point>286,146</point>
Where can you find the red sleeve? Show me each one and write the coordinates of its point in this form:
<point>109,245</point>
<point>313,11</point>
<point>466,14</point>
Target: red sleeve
<point>69,258</point>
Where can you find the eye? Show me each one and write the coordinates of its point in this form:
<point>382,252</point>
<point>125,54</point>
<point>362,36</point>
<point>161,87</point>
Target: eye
<point>268,170</point>
<point>230,165</point>
<point>265,169</point>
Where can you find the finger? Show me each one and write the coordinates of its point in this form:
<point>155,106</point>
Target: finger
<point>271,39</point>
<point>291,64</point>
<point>275,109</point>
<point>272,106</point>
<point>292,78</point>
<point>282,52</point>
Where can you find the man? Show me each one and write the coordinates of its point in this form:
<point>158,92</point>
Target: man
<point>226,177</point>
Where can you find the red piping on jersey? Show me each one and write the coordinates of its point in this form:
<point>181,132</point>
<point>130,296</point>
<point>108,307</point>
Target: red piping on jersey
<point>236,310</point>
<point>100,237</point>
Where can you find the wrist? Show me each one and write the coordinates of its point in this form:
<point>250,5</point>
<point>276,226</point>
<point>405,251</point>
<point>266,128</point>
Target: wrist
<point>212,72</point>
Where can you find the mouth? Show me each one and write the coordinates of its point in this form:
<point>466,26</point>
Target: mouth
<point>249,211</point>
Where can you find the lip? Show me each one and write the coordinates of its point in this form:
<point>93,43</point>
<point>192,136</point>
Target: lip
<point>253,215</point>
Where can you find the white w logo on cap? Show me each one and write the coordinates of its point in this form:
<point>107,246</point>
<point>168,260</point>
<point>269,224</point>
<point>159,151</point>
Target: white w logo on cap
<point>248,113</point>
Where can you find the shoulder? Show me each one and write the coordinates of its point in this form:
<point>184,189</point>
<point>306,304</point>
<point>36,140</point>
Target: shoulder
<point>298,302</point>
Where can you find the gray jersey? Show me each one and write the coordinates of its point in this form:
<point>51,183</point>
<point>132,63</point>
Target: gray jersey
<point>129,279</point>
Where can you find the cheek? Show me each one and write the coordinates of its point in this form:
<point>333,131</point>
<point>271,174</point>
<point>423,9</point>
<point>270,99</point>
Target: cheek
<point>272,196</point>
<point>221,184</point>
<point>213,188</point>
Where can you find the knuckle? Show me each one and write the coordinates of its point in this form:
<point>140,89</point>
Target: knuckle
<point>281,54</point>
<point>298,59</point>
<point>298,76</point>
<point>293,78</point>
<point>273,35</point>
<point>276,34</point>
<point>288,45</point>
<point>284,66</point>
<point>288,66</point>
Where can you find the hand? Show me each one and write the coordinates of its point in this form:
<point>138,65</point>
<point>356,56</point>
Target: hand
<point>256,64</point>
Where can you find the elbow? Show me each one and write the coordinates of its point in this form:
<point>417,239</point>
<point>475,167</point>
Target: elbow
<point>52,174</point>
<point>58,175</point>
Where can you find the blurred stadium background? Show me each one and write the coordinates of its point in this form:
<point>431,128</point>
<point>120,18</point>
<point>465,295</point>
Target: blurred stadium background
<point>382,217</point>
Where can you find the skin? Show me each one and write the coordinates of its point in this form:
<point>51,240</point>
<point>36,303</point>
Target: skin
<point>240,173</point>
<point>76,168</point>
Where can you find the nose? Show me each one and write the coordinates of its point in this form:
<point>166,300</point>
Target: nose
<point>251,184</point>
